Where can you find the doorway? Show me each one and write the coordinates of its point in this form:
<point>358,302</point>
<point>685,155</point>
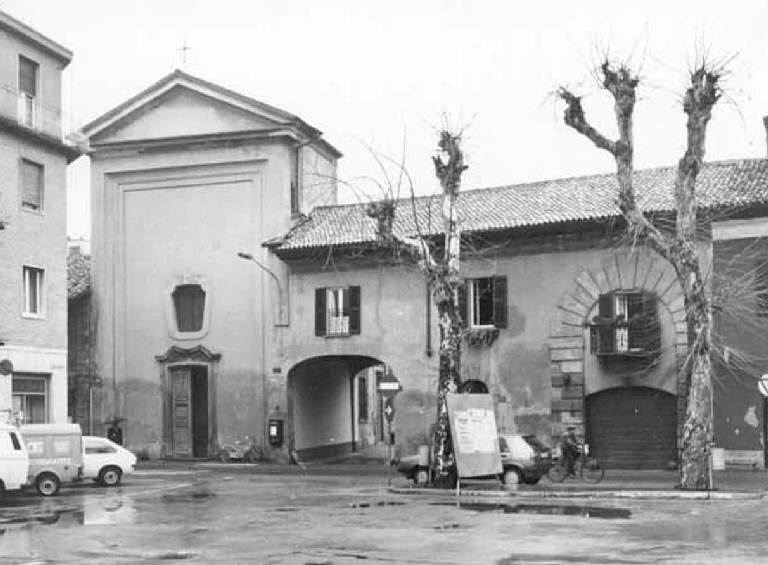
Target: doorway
<point>189,411</point>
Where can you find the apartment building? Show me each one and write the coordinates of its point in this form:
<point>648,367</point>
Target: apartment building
<point>33,242</point>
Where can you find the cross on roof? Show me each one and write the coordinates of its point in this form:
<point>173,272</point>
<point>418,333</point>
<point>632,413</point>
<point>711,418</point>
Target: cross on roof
<point>184,48</point>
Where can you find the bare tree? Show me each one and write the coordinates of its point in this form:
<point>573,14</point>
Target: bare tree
<point>677,246</point>
<point>442,274</point>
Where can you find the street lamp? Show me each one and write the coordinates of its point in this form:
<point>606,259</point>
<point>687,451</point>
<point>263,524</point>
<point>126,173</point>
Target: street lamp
<point>762,386</point>
<point>280,297</point>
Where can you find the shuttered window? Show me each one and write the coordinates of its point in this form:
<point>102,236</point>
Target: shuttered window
<point>32,185</point>
<point>483,302</point>
<point>337,311</point>
<point>626,324</point>
<point>28,76</point>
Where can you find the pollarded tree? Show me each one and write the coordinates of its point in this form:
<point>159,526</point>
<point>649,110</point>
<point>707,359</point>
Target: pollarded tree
<point>442,274</point>
<point>677,246</point>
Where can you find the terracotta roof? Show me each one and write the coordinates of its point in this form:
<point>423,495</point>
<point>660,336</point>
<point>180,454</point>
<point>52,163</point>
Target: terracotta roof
<point>725,184</point>
<point>78,273</point>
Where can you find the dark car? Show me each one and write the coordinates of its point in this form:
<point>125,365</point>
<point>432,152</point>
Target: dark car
<point>524,460</point>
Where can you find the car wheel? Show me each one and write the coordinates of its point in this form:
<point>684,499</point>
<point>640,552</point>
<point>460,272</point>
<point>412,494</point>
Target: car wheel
<point>512,476</point>
<point>47,484</point>
<point>532,480</point>
<point>110,476</point>
<point>421,477</point>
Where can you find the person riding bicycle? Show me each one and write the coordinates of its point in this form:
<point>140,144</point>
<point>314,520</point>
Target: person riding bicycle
<point>569,445</point>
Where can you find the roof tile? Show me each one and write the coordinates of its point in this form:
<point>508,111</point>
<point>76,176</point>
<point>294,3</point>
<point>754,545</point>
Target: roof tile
<point>720,184</point>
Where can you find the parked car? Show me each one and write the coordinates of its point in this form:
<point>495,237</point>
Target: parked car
<point>524,460</point>
<point>14,460</point>
<point>55,455</point>
<point>106,462</point>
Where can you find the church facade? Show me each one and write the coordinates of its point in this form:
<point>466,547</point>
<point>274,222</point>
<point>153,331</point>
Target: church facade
<point>188,179</point>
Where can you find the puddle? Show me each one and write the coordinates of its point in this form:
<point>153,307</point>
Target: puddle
<point>380,503</point>
<point>188,496</point>
<point>546,509</point>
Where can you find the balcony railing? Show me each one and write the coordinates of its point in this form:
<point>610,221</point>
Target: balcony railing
<point>29,112</point>
<point>338,325</point>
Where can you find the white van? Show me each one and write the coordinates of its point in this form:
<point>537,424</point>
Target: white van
<point>14,460</point>
<point>55,455</point>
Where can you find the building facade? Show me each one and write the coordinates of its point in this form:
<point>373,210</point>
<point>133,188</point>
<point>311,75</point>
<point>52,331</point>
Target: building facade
<point>566,324</point>
<point>33,244</point>
<point>188,179</point>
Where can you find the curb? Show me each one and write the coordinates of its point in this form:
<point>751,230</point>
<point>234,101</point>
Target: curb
<point>607,494</point>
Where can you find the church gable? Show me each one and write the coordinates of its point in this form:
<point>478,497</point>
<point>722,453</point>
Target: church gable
<point>182,112</point>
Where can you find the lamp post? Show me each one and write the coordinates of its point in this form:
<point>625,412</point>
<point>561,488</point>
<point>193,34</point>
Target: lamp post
<point>250,257</point>
<point>762,386</point>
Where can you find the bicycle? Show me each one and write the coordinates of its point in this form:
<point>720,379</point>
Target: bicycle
<point>588,468</point>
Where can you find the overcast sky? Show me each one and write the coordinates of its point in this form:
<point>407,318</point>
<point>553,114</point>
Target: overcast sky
<point>382,74</point>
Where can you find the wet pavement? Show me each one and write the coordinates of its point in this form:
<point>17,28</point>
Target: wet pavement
<point>273,515</point>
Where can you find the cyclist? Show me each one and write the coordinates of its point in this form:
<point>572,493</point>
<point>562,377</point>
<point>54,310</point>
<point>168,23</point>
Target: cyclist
<point>569,445</point>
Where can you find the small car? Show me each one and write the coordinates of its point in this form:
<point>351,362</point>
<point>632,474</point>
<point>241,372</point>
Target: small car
<point>524,460</point>
<point>104,461</point>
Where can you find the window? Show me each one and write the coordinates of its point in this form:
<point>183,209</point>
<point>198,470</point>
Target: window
<point>337,311</point>
<point>33,291</point>
<point>362,400</point>
<point>189,306</point>
<point>32,184</point>
<point>483,302</point>
<point>100,448</point>
<point>30,398</point>
<point>626,324</point>
<point>28,75</point>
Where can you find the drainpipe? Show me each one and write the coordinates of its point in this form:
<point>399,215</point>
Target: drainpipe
<point>428,302</point>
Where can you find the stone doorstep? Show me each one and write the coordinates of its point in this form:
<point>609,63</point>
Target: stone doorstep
<point>607,494</point>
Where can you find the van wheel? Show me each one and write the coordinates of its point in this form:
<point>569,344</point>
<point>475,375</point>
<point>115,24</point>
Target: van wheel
<point>110,476</point>
<point>512,477</point>
<point>47,484</point>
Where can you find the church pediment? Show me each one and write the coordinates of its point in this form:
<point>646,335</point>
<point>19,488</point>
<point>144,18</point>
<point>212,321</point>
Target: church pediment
<point>182,112</point>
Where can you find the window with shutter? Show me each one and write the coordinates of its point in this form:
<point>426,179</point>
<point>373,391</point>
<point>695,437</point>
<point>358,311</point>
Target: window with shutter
<point>28,72</point>
<point>31,185</point>
<point>627,324</point>
<point>483,302</point>
<point>337,311</point>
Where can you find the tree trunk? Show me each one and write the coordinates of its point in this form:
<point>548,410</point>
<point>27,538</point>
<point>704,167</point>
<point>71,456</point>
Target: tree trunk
<point>446,280</point>
<point>697,435</point>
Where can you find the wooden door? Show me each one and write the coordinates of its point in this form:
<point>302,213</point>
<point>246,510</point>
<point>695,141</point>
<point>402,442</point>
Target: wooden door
<point>181,408</point>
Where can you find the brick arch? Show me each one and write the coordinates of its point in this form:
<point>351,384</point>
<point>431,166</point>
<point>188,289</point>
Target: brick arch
<point>631,269</point>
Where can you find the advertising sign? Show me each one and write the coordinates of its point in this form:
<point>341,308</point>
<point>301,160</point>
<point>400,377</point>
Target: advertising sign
<point>475,439</point>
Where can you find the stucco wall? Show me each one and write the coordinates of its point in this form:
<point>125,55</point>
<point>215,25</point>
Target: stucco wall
<point>163,216</point>
<point>740,330</point>
<point>518,366</point>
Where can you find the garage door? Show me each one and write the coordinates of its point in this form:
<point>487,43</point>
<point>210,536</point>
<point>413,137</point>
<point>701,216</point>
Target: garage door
<point>632,427</point>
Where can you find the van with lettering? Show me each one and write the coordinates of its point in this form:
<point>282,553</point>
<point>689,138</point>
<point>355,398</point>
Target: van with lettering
<point>55,455</point>
<point>14,461</point>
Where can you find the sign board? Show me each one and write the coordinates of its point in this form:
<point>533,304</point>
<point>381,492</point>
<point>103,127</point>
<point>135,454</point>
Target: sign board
<point>762,385</point>
<point>389,386</point>
<point>475,439</point>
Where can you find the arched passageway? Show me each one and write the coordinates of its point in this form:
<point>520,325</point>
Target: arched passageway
<point>333,405</point>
